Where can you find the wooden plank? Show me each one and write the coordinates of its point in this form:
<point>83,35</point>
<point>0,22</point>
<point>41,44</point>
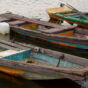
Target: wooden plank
<point>9,43</point>
<point>54,30</point>
<point>40,69</point>
<point>16,22</point>
<point>22,18</point>
<point>3,19</point>
<point>81,31</point>
<point>9,47</point>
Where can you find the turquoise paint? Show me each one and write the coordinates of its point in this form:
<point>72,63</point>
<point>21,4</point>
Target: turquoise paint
<point>22,55</point>
<point>68,64</point>
<point>46,59</point>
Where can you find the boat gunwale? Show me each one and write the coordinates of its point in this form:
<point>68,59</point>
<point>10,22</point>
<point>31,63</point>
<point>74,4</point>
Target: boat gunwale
<point>53,36</point>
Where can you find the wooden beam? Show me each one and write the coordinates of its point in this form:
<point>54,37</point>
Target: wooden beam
<point>10,44</point>
<point>9,47</point>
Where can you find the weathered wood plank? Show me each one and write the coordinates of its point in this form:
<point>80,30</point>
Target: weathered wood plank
<point>82,31</point>
<point>40,69</point>
<point>10,44</point>
<point>9,47</point>
<point>3,19</point>
<point>16,22</point>
<point>22,18</point>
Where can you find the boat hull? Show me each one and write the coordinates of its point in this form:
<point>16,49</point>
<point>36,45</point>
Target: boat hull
<point>41,38</point>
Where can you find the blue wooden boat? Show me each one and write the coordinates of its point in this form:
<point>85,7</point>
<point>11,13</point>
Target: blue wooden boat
<point>25,29</point>
<point>43,64</point>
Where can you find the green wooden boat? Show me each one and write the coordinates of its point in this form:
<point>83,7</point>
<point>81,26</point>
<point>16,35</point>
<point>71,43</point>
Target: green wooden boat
<point>69,14</point>
<point>73,18</point>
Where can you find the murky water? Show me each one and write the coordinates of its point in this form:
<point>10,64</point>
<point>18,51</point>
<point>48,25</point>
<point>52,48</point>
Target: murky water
<point>7,81</point>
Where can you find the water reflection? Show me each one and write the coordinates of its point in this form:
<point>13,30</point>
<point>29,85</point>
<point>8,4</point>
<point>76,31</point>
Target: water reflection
<point>7,81</point>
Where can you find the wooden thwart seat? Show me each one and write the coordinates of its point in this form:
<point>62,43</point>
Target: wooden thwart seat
<point>55,30</point>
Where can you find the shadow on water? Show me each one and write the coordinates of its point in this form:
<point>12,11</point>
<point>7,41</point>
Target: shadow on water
<point>13,82</point>
<point>7,81</point>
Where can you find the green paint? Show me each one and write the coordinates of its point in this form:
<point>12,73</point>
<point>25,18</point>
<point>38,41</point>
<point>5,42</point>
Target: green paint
<point>75,18</point>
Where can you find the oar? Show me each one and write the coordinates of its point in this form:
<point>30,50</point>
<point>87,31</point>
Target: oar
<point>74,9</point>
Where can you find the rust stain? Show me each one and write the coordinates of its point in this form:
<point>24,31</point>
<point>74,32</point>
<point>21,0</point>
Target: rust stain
<point>11,71</point>
<point>61,44</point>
<point>30,26</point>
<point>68,33</point>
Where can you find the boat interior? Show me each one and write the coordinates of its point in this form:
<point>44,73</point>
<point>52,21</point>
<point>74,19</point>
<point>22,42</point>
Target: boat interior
<point>29,56</point>
<point>67,32</point>
<point>44,27</point>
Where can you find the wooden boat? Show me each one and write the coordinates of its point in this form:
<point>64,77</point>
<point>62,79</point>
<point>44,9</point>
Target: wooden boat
<point>24,29</point>
<point>58,15</point>
<point>44,64</point>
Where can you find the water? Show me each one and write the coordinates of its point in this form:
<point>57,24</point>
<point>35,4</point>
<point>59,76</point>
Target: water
<point>7,81</point>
